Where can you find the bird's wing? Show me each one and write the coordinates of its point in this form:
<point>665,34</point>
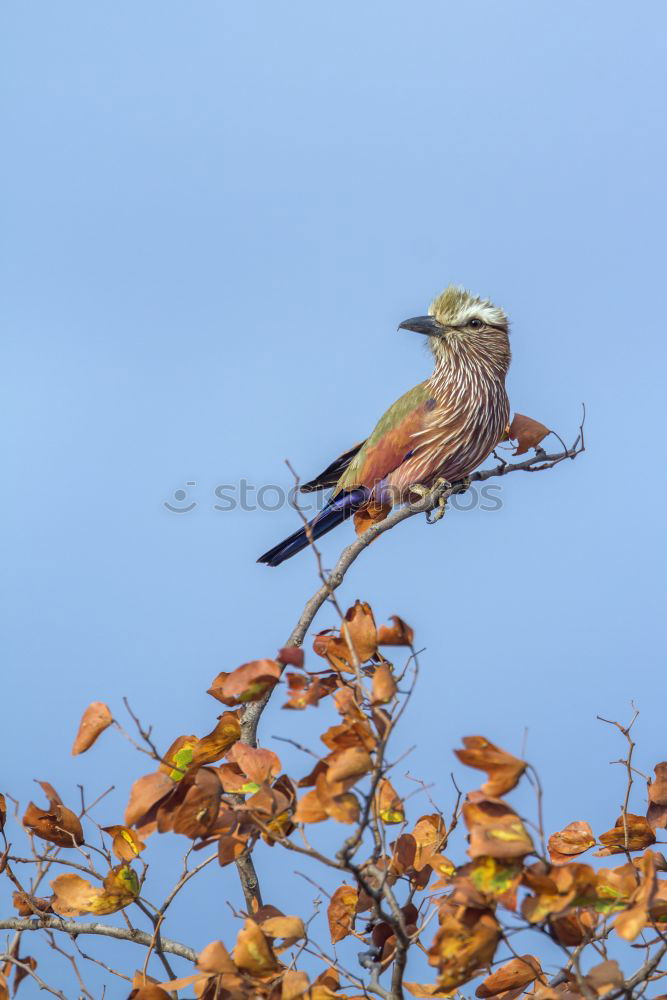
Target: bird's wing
<point>391,442</point>
<point>333,472</point>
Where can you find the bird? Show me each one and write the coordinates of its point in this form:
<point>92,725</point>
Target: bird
<point>437,432</point>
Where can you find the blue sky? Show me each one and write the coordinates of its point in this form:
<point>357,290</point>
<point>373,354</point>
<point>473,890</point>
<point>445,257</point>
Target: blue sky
<point>214,217</point>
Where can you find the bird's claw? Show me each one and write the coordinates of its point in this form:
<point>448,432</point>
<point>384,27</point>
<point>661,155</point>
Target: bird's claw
<point>433,516</point>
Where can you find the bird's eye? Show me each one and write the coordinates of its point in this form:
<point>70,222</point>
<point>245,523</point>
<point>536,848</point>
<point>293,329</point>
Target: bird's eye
<point>475,323</point>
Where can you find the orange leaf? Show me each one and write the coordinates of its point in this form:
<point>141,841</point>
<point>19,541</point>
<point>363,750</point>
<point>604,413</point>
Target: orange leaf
<point>389,804</point>
<point>503,769</point>
<point>57,824</point>
<point>145,794</point>
<point>94,721</point>
<point>259,765</point>
<point>574,839</point>
<point>249,682</point>
<point>398,634</point>
<point>384,684</point>
<point>517,973</point>
<point>340,912</point>
<point>657,798</point>
<point>632,833</point>
<point>526,432</point>
<point>126,845</point>
<point>372,513</point>
<point>253,953</point>
<point>214,746</point>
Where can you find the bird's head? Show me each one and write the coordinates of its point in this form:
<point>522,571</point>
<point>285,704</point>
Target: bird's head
<point>460,322</point>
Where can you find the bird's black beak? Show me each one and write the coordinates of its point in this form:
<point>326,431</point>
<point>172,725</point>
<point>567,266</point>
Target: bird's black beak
<point>422,324</point>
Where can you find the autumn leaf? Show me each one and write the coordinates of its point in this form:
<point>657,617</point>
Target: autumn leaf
<point>657,798</point>
<point>341,911</point>
<point>94,721</point>
<point>371,513</point>
<point>249,682</point>
<point>349,764</point>
<point>388,803</point>
<point>632,920</point>
<point>258,764</point>
<point>384,684</point>
<point>515,974</point>
<point>57,824</point>
<point>27,905</point>
<point>3,812</point>
<point>398,634</point>
<point>357,639</point>
<point>75,896</point>
<point>503,769</point>
<point>294,985</point>
<point>252,952</point>
<point>216,744</point>
<point>605,976</point>
<point>193,808</point>
<point>495,829</point>
<point>146,793</point>
<point>526,432</point>
<point>574,839</point>
<point>126,845</point>
<point>289,929</point>
<point>631,833</point>
<point>464,943</point>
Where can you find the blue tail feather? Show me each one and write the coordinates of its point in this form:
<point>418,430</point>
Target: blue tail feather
<point>336,511</point>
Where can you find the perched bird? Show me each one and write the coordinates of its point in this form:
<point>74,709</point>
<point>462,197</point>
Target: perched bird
<point>440,430</point>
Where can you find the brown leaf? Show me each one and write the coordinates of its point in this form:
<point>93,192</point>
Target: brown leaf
<point>149,992</point>
<point>526,432</point>
<point>358,638</point>
<point>629,923</point>
<point>571,929</point>
<point>371,513</point>
<point>214,746</point>
<point>389,804</point>
<point>517,973</point>
<point>216,960</point>
<point>94,721</point>
<point>253,953</point>
<point>657,798</point>
<point>304,691</point>
<point>294,984</point>
<point>503,769</point>
<point>27,905</point>
<point>193,808</point>
<point>57,824</point>
<point>398,634</point>
<point>291,656</point>
<point>639,836</point>
<point>74,896</point>
<point>259,765</point>
<point>310,809</point>
<point>126,845</point>
<point>4,988</point>
<point>290,929</point>
<point>463,944</point>
<point>605,976</point>
<point>349,764</point>
<point>249,682</point>
<point>495,829</point>
<point>3,812</point>
<point>340,912</point>
<point>384,684</point>
<point>145,794</point>
<point>574,839</point>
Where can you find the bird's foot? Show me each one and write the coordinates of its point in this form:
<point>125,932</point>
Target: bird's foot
<point>432,516</point>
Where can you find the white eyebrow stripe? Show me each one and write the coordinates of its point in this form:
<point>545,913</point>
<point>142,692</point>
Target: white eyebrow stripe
<point>482,310</point>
